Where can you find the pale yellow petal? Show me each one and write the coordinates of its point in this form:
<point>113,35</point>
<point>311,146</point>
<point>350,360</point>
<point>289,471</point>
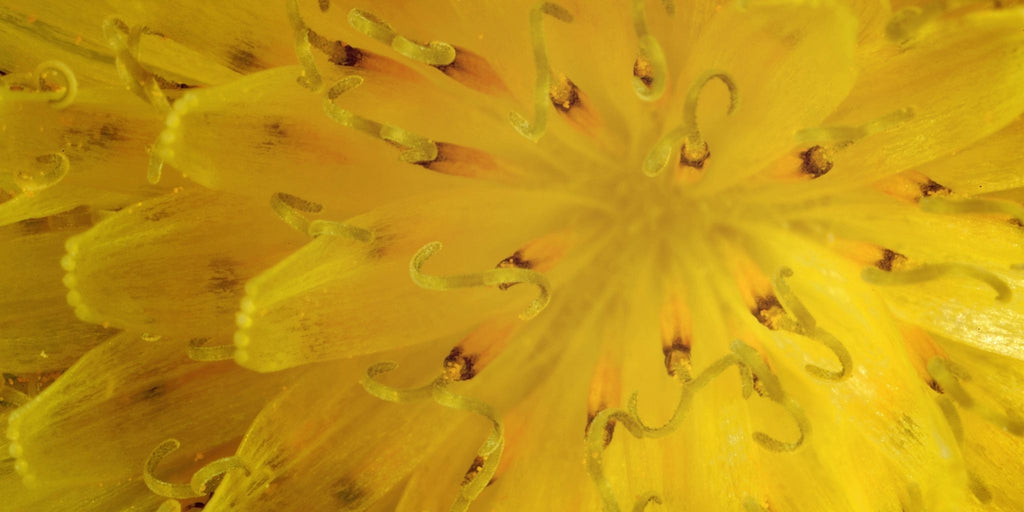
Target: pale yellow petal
<point>192,249</point>
<point>150,381</point>
<point>313,305</point>
<point>38,331</point>
<point>961,80</point>
<point>810,49</point>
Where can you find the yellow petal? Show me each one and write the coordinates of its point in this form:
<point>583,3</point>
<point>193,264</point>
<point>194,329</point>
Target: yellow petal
<point>38,332</point>
<point>286,143</point>
<point>962,81</point>
<point>990,165</point>
<point>811,51</point>
<point>201,404</point>
<point>207,251</point>
<point>365,445</point>
<point>314,305</point>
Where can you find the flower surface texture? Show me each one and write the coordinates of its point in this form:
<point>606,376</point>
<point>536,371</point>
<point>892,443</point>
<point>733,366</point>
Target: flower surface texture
<point>593,255</point>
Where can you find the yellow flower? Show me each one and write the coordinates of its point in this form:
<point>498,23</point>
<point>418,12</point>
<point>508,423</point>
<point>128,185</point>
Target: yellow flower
<point>757,255</point>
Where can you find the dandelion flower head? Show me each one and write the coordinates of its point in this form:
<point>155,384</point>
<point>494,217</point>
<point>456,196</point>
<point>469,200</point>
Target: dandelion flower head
<point>752,255</point>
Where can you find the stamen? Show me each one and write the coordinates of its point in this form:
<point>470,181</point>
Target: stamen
<point>837,348</point>
<point>534,131</point>
<point>952,418</point>
<point>156,167</point>
<point>170,506</point>
<point>817,161</point>
<point>208,477</point>
<point>652,81</point>
<point>911,186</point>
<point>467,359</point>
<point>337,52</point>
<point>396,395</point>
<point>751,358</point>
<point>419,150</point>
<point>310,77</point>
<point>978,489</point>
<point>890,260</point>
<point>289,208</point>
<point>344,117</point>
<point>773,391</point>
<point>906,22</point>
<point>932,271</point>
<point>595,442</point>
<point>459,365</point>
<point>807,326</point>
<point>125,43</point>
<point>493,277</point>
<point>695,150</point>
<point>950,206</point>
<point>39,88</point>
<point>35,182</point>
<point>915,500</point>
<point>475,72</point>
<point>768,311</point>
<point>564,94</point>
<point>9,395</point>
<point>843,136</point>
<point>751,505</point>
<point>942,371</point>
<point>198,352</point>
<point>690,389</point>
<point>605,388</point>
<point>646,499</point>
<point>203,481</point>
<point>434,53</point>
<point>490,451</point>
<point>793,304</point>
<point>743,356</point>
<point>676,335</point>
<point>540,254</point>
<point>160,487</point>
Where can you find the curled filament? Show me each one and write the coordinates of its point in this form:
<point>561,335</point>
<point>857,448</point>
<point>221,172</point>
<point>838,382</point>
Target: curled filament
<point>36,87</point>
<point>490,450</point>
<point>806,325</point>
<point>57,165</point>
<point>392,394</point>
<point>434,53</point>
<point>125,43</point>
<point>290,209</point>
<point>418,149</point>
<point>948,377</point>
<point>694,149</point>
<point>651,54</point>
<point>202,480</point>
<point>310,77</point>
<point>932,271</point>
<point>845,135</point>
<point>773,391</point>
<point>493,277</point>
<point>750,364</point>
<point>541,100</point>
<point>951,206</point>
